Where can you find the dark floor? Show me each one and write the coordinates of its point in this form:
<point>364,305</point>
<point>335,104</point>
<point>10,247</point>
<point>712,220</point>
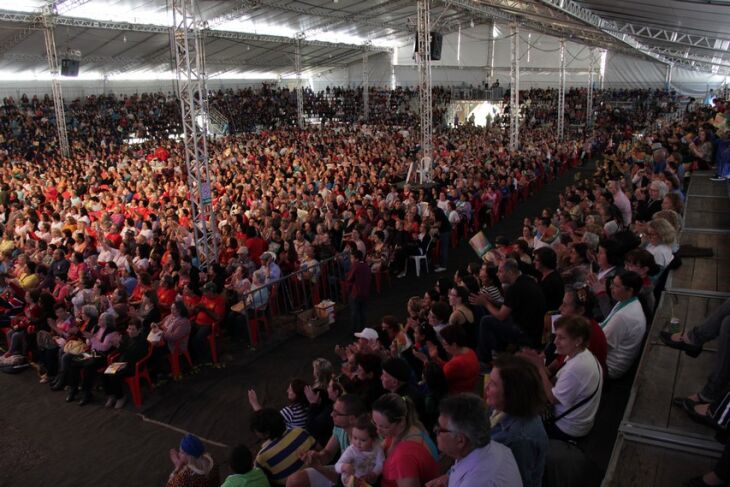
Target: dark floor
<point>54,443</point>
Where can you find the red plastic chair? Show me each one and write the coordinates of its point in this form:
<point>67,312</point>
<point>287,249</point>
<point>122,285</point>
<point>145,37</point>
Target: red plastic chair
<point>259,316</point>
<point>174,359</point>
<point>140,372</point>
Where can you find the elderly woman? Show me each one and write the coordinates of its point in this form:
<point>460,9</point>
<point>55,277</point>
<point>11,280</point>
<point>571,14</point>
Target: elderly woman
<point>575,391</point>
<point>410,454</point>
<point>660,236</point>
<point>515,395</point>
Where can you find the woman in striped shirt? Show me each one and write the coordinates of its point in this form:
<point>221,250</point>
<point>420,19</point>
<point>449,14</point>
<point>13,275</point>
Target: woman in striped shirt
<point>296,412</point>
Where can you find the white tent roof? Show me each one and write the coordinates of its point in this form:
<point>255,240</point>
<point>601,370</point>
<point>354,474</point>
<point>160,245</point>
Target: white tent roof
<point>257,36</point>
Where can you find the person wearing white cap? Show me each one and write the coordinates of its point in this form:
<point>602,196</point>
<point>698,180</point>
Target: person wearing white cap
<point>367,334</point>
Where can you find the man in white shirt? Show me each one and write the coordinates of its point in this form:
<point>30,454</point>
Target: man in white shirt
<point>625,324</point>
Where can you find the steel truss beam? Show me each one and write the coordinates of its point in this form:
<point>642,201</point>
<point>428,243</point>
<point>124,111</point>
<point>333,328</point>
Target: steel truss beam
<point>686,39</point>
<point>514,89</point>
<point>29,18</point>
<point>193,95</point>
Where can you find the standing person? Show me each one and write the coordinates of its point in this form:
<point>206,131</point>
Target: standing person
<point>462,433</point>
<point>444,229</point>
<point>359,282</point>
<point>410,453</point>
<point>621,201</point>
<point>193,466</point>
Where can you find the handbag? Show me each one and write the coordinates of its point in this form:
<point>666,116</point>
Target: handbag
<point>74,347</point>
<point>548,415</point>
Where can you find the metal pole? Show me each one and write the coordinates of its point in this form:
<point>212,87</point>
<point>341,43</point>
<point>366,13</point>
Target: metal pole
<point>668,77</point>
<point>424,89</point>
<point>365,87</point>
<point>589,94</point>
<point>514,109</point>
<point>190,71</point>
<point>490,51</point>
<point>561,92</point>
<point>602,74</point>
<point>58,107</point>
<point>300,89</point>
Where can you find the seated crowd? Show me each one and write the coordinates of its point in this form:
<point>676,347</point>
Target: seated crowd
<point>538,329</point>
<point>97,256</point>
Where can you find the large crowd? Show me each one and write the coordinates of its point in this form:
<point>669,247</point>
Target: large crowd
<point>97,265</point>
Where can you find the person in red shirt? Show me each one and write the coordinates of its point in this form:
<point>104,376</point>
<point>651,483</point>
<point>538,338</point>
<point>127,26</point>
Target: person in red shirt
<point>206,314</point>
<point>358,280</point>
<point>462,369</point>
<point>255,245</point>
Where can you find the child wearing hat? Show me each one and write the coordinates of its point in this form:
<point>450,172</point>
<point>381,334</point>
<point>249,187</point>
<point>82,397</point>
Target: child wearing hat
<point>193,466</point>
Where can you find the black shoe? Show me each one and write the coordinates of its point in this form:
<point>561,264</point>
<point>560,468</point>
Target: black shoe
<point>689,348</point>
<point>57,386</point>
<point>689,407</point>
<point>86,399</point>
<point>71,395</point>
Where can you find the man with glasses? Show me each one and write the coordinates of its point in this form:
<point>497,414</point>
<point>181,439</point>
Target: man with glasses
<point>462,433</point>
<point>319,471</point>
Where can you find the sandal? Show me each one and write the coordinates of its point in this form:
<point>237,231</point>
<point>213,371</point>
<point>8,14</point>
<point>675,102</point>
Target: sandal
<point>689,348</point>
<point>689,407</point>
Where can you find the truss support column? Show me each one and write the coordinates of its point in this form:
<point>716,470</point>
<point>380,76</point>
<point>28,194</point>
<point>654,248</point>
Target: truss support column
<point>424,89</point>
<point>602,74</point>
<point>589,92</point>
<point>300,87</point>
<point>514,103</point>
<point>365,87</point>
<point>190,73</point>
<point>561,92</point>
<point>52,55</point>
<point>668,77</point>
<point>490,52</point>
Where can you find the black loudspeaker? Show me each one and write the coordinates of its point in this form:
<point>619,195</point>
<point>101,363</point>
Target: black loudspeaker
<point>69,67</point>
<point>437,40</point>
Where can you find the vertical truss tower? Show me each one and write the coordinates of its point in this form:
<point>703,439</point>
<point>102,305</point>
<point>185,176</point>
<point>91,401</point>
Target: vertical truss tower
<point>514,102</point>
<point>424,89</point>
<point>190,70</point>
<point>589,93</point>
<point>365,87</point>
<point>50,38</point>
<point>561,92</point>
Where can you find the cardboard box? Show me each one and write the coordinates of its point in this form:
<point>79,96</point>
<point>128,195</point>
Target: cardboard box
<point>308,324</point>
<point>326,309</point>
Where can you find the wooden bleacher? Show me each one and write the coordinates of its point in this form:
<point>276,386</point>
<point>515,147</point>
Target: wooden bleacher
<point>658,444</point>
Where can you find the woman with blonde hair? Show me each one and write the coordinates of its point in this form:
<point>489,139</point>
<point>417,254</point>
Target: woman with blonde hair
<point>661,236</point>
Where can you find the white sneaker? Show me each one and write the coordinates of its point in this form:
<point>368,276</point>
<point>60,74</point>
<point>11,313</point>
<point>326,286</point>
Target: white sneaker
<point>440,269</point>
<point>401,275</point>
<point>120,403</point>
<point>110,401</point>
<point>718,178</point>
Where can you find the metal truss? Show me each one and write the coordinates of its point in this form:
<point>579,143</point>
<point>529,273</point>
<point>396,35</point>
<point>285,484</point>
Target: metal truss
<point>423,27</point>
<point>55,82</point>
<point>685,39</point>
<point>365,87</point>
<point>300,87</point>
<point>561,92</point>
<point>589,93</point>
<point>29,18</point>
<point>514,90</point>
<point>192,92</point>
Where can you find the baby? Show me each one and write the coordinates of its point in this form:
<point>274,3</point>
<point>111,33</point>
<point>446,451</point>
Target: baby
<point>362,462</point>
